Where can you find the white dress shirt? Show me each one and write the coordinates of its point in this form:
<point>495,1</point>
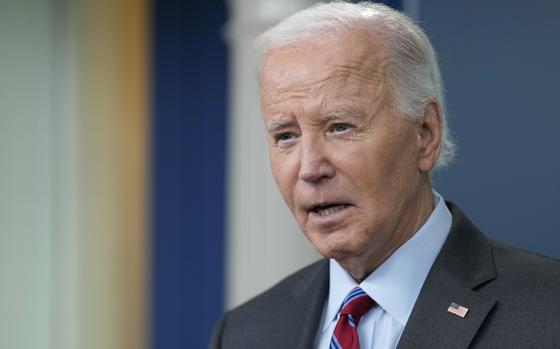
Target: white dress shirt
<point>394,285</point>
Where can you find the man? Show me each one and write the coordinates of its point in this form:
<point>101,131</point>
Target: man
<point>353,106</point>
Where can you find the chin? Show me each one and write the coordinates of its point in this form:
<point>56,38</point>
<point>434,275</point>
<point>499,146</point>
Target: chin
<point>332,246</point>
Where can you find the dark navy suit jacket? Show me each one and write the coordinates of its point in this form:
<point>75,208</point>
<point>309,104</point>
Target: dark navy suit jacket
<point>513,297</point>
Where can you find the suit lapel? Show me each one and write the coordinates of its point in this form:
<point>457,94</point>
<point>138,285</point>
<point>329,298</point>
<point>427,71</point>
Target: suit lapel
<point>303,317</point>
<point>464,263</point>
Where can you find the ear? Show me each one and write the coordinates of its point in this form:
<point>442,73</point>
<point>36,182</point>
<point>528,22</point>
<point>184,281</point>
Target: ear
<point>430,131</point>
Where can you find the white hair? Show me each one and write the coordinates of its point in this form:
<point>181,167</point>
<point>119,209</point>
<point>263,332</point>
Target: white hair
<point>413,72</point>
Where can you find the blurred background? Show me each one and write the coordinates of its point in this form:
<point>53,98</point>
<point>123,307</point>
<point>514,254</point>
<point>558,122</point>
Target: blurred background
<point>136,203</point>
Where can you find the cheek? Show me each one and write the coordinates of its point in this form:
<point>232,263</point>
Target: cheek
<point>377,171</point>
<point>361,164</point>
<point>283,174</point>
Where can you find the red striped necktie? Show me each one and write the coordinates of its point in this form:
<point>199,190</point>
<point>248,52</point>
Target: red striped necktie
<point>354,306</point>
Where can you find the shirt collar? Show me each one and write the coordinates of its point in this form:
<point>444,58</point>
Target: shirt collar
<point>396,283</point>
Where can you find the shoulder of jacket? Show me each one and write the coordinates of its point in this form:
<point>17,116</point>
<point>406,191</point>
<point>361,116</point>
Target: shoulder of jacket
<point>283,290</point>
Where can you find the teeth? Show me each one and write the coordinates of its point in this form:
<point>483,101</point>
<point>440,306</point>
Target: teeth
<point>329,210</point>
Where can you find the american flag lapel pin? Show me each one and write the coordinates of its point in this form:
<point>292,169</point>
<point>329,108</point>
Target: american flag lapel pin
<point>458,310</point>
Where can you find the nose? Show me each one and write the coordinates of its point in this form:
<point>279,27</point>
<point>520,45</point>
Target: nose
<point>314,165</point>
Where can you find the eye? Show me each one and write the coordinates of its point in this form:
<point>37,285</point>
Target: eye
<point>284,137</point>
<point>338,128</point>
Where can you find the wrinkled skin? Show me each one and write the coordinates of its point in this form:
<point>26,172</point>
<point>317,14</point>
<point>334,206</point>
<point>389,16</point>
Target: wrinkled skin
<point>354,173</point>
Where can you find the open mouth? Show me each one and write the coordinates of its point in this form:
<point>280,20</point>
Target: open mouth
<point>327,209</point>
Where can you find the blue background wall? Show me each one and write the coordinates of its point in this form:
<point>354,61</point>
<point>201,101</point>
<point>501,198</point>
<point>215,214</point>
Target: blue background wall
<point>189,125</point>
<point>500,61</point>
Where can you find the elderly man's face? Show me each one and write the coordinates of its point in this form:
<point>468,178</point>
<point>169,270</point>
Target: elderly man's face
<point>349,168</point>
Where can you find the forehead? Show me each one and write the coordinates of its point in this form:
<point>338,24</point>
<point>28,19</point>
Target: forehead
<point>351,63</point>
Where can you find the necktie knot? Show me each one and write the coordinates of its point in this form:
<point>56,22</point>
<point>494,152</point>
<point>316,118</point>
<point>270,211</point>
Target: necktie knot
<point>356,304</point>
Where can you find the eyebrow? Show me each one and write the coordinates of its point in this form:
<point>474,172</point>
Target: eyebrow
<point>276,125</point>
<point>340,114</point>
